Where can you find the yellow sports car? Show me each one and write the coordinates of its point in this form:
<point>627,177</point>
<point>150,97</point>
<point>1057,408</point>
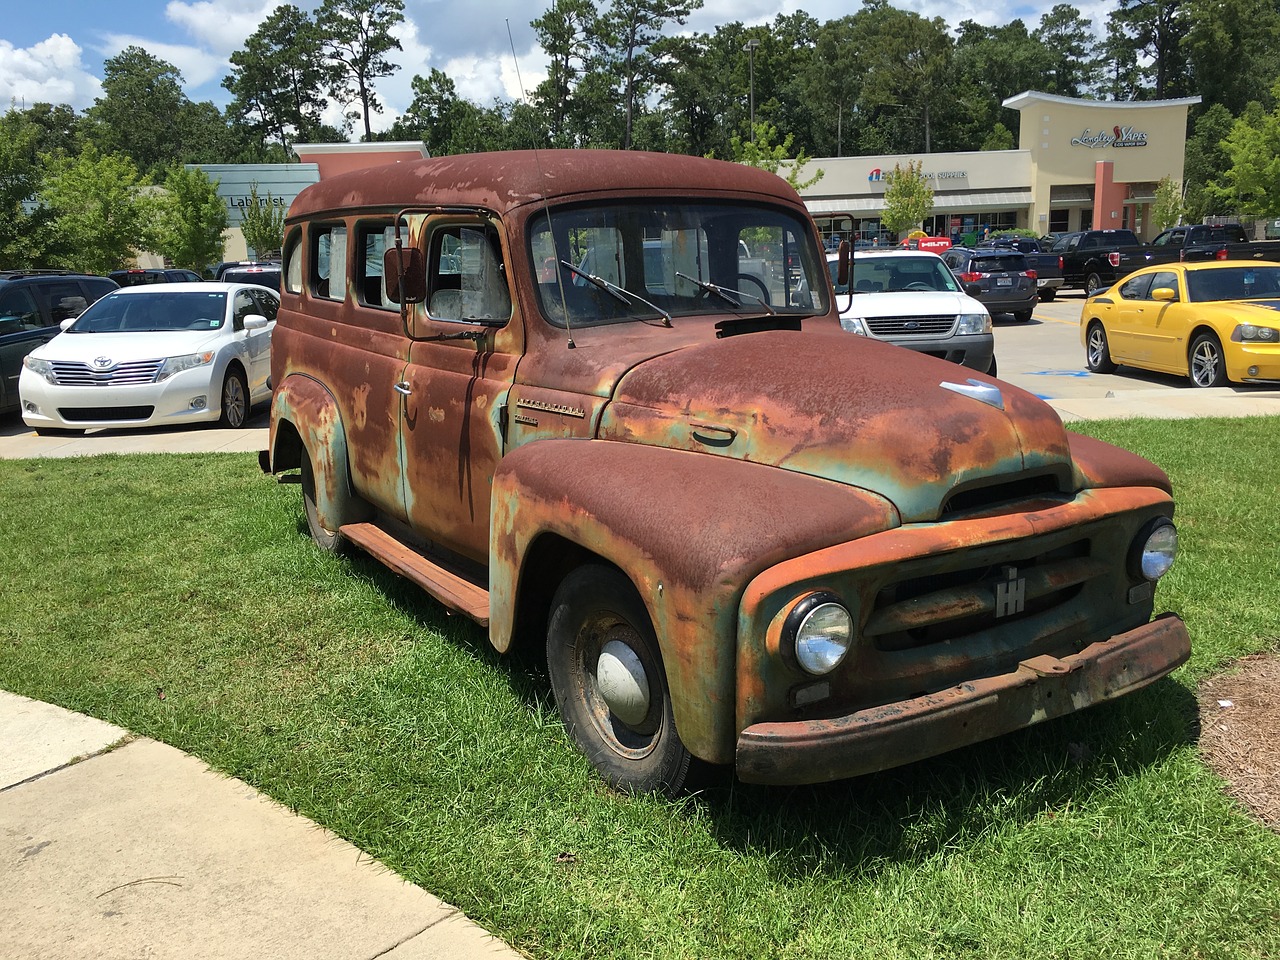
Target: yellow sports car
<point>1215,322</point>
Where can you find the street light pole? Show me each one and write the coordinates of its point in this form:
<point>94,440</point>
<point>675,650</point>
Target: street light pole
<point>750,47</point>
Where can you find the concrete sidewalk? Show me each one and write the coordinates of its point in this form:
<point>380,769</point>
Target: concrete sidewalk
<point>113,846</point>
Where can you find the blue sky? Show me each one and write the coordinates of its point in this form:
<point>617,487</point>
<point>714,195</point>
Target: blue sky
<point>54,51</point>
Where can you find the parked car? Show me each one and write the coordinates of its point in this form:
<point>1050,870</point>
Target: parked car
<point>220,270</point>
<point>136,276</point>
<point>150,356</point>
<point>1198,241</point>
<point>740,535</point>
<point>1047,266</point>
<point>1001,279</point>
<point>264,275</point>
<point>32,305</point>
<point>910,298</point>
<point>1092,260</point>
<point>1215,322</point>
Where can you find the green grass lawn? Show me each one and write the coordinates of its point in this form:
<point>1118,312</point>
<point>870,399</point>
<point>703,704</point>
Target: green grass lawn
<point>178,596</point>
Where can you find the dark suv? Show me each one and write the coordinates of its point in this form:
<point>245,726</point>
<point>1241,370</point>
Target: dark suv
<point>32,305</point>
<point>998,277</point>
<point>132,278</point>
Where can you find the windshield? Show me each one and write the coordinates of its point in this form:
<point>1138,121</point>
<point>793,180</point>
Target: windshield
<point>887,274</point>
<point>1233,283</point>
<point>652,261</point>
<point>153,312</point>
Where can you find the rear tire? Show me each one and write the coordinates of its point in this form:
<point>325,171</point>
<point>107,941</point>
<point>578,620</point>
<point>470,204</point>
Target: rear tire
<point>1092,285</point>
<point>1022,316</point>
<point>1047,295</point>
<point>235,400</point>
<point>597,606</point>
<point>1205,363</point>
<point>1097,351</point>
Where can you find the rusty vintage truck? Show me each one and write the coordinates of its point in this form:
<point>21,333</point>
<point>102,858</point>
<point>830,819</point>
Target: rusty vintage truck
<point>744,536</point>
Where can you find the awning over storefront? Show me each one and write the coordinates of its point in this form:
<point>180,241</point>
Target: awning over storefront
<point>942,202</point>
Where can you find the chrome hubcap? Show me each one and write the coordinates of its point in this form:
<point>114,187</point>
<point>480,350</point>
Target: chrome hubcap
<point>623,683</point>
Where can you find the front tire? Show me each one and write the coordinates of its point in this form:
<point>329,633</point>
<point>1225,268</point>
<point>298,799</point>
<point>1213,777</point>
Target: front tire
<point>235,400</point>
<point>330,541</point>
<point>1206,365</point>
<point>1097,352</point>
<point>599,632</point>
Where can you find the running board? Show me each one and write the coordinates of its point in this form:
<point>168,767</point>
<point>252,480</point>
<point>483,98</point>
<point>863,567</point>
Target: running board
<point>459,595</point>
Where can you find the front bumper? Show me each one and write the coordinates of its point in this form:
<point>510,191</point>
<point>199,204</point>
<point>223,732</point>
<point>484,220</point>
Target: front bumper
<point>171,402</point>
<point>1041,688</point>
<point>973,351</point>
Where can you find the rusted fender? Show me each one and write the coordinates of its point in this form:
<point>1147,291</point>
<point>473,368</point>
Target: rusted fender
<point>1099,464</point>
<point>887,736</point>
<point>303,410</point>
<point>689,530</point>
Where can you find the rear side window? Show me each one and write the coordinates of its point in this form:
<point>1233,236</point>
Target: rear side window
<point>18,311</point>
<point>329,262</point>
<point>371,286</point>
<point>293,262</point>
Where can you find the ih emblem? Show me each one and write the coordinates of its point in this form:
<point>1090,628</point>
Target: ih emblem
<point>1011,594</point>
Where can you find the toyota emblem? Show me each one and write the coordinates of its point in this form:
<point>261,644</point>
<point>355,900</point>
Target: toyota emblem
<point>102,362</point>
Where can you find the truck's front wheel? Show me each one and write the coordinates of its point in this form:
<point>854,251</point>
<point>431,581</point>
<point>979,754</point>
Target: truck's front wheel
<point>609,683</point>
<point>330,541</point>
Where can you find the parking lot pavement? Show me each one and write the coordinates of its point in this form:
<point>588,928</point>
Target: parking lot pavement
<point>18,441</point>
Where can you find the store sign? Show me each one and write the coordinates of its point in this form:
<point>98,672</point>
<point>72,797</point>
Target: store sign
<point>1115,137</point>
<point>877,175</point>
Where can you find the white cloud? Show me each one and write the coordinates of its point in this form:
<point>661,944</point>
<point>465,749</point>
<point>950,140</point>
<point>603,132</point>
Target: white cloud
<point>221,26</point>
<point>51,71</point>
<point>198,66</point>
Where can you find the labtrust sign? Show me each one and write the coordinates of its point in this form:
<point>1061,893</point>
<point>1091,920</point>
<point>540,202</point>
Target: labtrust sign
<point>1115,137</point>
<point>241,202</point>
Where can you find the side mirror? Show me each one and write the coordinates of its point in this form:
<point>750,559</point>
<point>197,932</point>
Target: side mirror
<point>405,268</point>
<point>1164,293</point>
<point>255,321</point>
<point>842,264</point>
<point>66,324</point>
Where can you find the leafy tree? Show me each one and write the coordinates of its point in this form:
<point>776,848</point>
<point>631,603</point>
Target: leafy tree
<point>59,128</point>
<point>762,152</point>
<point>908,198</point>
<point>449,124</point>
<point>100,211</point>
<point>999,138</point>
<point>1167,210</point>
<point>567,32</point>
<point>263,222</point>
<point>278,78</point>
<point>1206,164</point>
<point>991,65</point>
<point>357,38</point>
<point>1150,32</point>
<point>135,116</point>
<point>192,219</point>
<point>20,178</point>
<point>1253,145</point>
<point>1233,49</point>
<point>630,27</point>
<point>1075,69</point>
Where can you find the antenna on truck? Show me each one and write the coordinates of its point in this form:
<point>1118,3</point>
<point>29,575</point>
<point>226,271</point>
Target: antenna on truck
<point>546,208</point>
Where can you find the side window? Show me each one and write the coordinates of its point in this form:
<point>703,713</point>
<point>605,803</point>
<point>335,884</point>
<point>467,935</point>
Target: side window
<point>293,262</point>
<point>329,262</point>
<point>1136,288</point>
<point>242,307</point>
<point>18,311</point>
<point>371,287</point>
<point>1165,278</point>
<point>467,279</point>
<point>267,305</point>
<point>64,300</point>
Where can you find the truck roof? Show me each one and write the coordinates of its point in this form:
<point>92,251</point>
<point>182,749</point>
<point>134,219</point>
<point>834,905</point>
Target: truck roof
<point>509,179</point>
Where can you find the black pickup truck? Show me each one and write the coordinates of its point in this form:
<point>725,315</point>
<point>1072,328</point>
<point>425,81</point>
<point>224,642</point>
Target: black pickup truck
<point>1204,242</point>
<point>1047,266</point>
<point>1092,260</point>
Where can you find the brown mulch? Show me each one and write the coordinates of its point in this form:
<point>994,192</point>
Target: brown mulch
<point>1240,732</point>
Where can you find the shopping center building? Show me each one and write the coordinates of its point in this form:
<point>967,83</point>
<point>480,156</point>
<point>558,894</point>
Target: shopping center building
<point>1081,164</point>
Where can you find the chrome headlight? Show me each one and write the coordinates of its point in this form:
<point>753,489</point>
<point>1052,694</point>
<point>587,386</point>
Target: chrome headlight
<point>186,362</point>
<point>819,631</point>
<point>41,368</point>
<point>855,325</point>
<point>1249,333</point>
<point>972,324</point>
<point>1154,549</point>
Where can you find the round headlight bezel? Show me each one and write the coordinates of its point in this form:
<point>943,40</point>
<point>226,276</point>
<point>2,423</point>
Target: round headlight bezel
<point>1154,549</point>
<point>814,648</point>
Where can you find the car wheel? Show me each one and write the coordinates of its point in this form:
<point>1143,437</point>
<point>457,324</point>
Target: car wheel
<point>991,370</point>
<point>1206,364</point>
<point>1092,284</point>
<point>330,541</point>
<point>1047,295</point>
<point>1022,316</point>
<point>235,400</point>
<point>610,685</point>
<point>1097,353</point>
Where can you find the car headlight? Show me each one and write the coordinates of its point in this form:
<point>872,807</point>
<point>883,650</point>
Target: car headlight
<point>818,631</point>
<point>972,324</point>
<point>186,362</point>
<point>41,368</point>
<point>855,325</point>
<point>1154,549</point>
<point>1249,333</point>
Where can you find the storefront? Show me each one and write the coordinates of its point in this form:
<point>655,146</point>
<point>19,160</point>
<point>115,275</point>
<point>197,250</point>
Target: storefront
<point>1082,164</point>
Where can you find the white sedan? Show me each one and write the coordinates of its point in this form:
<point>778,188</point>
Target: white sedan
<point>150,356</point>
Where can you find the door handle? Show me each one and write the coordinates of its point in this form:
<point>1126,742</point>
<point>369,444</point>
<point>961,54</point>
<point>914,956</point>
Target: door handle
<point>712,435</point>
<point>402,388</point>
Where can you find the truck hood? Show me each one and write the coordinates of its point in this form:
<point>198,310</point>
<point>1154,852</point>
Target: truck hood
<point>911,428</point>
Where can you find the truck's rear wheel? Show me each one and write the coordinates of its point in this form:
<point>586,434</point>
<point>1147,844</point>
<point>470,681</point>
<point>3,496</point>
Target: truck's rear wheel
<point>1092,284</point>
<point>1047,294</point>
<point>609,682</point>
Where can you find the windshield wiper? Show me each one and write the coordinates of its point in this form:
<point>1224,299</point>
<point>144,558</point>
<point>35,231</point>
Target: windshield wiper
<point>727,293</point>
<point>622,294</point>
